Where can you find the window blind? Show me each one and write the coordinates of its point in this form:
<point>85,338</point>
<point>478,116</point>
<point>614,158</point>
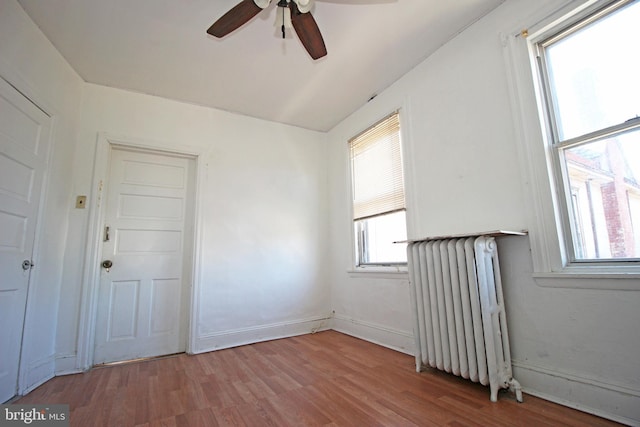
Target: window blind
<point>376,166</point>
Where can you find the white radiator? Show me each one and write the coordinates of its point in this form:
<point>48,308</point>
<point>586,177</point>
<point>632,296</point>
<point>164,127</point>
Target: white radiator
<point>460,322</point>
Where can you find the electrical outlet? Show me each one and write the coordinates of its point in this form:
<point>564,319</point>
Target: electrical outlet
<point>81,201</point>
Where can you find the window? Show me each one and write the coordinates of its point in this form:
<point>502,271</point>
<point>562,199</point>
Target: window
<point>378,194</point>
<point>589,73</point>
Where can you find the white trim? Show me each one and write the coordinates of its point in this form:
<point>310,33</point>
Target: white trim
<point>531,154</point>
<point>578,377</point>
<point>602,281</point>
<point>403,111</point>
<point>86,324</point>
<point>196,277</point>
<point>606,399</point>
<point>88,306</point>
<point>243,336</point>
<point>385,336</point>
<point>410,187</point>
<point>400,272</point>
<point>17,80</point>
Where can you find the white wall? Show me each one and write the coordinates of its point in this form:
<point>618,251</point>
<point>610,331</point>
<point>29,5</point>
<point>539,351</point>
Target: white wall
<point>262,210</point>
<point>32,64</point>
<point>576,346</point>
<point>265,189</point>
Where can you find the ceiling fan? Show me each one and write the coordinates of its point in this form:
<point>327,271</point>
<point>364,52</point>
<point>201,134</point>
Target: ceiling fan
<point>291,14</point>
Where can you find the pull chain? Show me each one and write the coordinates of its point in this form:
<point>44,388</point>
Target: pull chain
<point>283,13</point>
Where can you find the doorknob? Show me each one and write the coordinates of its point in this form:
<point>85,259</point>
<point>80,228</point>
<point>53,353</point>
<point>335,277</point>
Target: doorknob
<point>27,264</point>
<point>107,265</point>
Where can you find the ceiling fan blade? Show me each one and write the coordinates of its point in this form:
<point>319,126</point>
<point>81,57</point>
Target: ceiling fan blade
<point>239,15</point>
<point>308,32</point>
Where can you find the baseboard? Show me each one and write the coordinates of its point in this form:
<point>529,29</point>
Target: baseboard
<point>244,336</point>
<point>38,372</point>
<point>382,335</point>
<point>616,402</point>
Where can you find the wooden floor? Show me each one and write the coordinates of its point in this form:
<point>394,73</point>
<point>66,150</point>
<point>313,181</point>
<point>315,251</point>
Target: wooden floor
<point>324,379</point>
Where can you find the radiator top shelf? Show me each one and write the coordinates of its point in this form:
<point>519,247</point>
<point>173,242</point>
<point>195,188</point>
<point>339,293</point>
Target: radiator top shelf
<point>494,233</point>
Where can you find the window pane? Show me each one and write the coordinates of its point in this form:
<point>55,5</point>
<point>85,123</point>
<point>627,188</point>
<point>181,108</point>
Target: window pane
<point>604,183</point>
<point>377,235</point>
<point>594,73</point>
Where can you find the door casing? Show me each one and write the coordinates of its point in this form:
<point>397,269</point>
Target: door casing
<point>97,206</point>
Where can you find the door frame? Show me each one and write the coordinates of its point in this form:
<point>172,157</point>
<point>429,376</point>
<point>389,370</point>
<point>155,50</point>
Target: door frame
<point>105,144</point>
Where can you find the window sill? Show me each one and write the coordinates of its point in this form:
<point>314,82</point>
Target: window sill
<point>399,272</point>
<point>590,278</point>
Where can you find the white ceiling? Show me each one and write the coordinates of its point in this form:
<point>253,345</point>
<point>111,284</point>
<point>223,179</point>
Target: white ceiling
<point>160,47</point>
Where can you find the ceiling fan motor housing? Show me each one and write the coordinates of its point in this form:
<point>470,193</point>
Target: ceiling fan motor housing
<point>304,6</point>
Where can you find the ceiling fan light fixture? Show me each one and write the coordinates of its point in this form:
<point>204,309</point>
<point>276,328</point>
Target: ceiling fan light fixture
<point>304,6</point>
<point>262,4</point>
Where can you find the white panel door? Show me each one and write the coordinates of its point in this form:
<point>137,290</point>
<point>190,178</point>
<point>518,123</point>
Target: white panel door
<point>24,139</point>
<point>142,300</point>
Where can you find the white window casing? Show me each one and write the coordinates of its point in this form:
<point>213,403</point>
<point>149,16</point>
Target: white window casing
<point>378,196</point>
<point>550,228</point>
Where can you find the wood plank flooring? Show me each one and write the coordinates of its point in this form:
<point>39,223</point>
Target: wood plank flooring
<point>323,379</point>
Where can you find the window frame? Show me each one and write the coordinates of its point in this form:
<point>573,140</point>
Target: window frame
<point>558,146</point>
<point>361,250</point>
<point>359,265</point>
<point>547,231</point>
